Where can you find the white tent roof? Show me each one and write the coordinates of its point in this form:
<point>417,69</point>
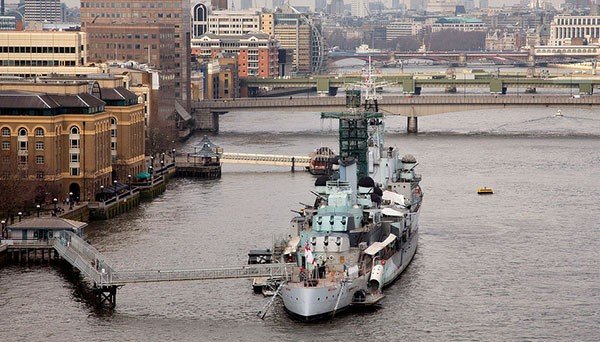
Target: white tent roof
<point>394,197</point>
<point>391,212</point>
<point>377,246</point>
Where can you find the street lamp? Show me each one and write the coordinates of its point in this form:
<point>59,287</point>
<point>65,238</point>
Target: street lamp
<point>102,192</point>
<point>20,215</point>
<point>70,200</point>
<point>38,209</point>
<point>129,180</point>
<point>162,165</point>
<point>152,161</point>
<point>115,183</point>
<point>55,201</point>
<point>173,153</point>
<point>3,231</point>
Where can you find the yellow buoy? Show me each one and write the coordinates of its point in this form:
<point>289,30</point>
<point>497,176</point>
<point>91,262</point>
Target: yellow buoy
<point>485,191</point>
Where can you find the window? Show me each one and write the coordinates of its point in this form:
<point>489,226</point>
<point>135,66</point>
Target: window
<point>22,132</point>
<point>6,145</point>
<point>39,175</point>
<point>74,171</point>
<point>39,159</point>
<point>74,157</point>
<point>39,146</point>
<point>74,130</point>
<point>22,160</point>
<point>23,145</point>
<point>6,132</point>
<point>113,133</point>
<point>74,143</point>
<point>113,146</point>
<point>39,132</point>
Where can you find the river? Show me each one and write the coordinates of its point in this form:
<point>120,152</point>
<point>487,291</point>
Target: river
<point>521,264</point>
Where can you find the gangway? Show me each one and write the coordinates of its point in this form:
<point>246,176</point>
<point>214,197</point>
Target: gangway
<point>265,159</point>
<point>105,279</point>
<point>248,271</point>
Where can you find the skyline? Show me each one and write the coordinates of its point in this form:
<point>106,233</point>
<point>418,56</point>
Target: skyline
<point>556,3</point>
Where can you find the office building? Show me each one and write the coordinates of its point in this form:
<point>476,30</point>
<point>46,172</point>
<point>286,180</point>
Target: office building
<point>166,12</point>
<point>257,53</point>
<point>227,23</point>
<point>42,48</point>
<point>43,10</point>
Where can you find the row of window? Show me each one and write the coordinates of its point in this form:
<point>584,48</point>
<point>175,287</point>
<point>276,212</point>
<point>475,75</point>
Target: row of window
<point>29,62</point>
<point>23,145</point>
<point>126,4</point>
<point>39,132</point>
<point>37,49</point>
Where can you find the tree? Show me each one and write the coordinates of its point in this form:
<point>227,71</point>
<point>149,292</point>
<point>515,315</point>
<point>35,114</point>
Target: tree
<point>162,134</point>
<point>455,40</point>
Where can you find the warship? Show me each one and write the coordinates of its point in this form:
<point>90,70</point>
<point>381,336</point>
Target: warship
<point>362,230</point>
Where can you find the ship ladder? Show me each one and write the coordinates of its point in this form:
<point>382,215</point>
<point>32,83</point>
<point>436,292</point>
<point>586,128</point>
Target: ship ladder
<point>337,303</point>
<point>262,313</point>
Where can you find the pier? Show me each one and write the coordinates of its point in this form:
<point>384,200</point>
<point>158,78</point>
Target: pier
<point>105,279</point>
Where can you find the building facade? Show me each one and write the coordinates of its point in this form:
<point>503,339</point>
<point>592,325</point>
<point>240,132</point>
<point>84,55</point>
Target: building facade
<point>42,48</point>
<point>565,28</point>
<point>69,138</point>
<point>299,33</point>
<point>257,54</point>
<point>459,24</point>
<point>404,28</point>
<point>199,19</point>
<point>166,12</point>
<point>43,10</point>
<point>151,44</point>
<point>227,23</point>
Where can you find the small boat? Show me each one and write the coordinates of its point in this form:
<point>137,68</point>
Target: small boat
<point>558,114</point>
<point>484,191</point>
<point>321,161</point>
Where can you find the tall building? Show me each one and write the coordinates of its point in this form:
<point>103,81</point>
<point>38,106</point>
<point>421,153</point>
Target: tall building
<point>483,4</point>
<point>43,10</point>
<point>359,8</point>
<point>166,12</point>
<point>297,32</point>
<point>199,19</point>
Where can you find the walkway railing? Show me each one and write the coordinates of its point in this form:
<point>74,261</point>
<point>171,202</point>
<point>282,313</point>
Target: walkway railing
<point>250,271</point>
<point>95,267</point>
<point>265,159</point>
<point>84,257</point>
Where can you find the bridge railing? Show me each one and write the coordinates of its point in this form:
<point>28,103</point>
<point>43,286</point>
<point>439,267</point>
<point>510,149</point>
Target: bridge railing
<point>249,271</point>
<point>84,257</point>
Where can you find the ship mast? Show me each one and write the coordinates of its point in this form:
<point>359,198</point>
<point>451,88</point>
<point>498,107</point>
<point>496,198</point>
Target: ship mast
<point>360,125</point>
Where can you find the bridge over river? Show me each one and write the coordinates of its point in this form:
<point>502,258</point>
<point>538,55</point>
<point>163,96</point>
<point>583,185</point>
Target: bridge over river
<point>408,105</point>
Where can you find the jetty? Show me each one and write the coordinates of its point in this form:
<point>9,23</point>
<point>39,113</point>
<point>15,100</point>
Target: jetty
<point>105,279</point>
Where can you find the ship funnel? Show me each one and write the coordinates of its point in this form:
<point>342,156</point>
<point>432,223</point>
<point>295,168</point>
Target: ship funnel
<point>348,173</point>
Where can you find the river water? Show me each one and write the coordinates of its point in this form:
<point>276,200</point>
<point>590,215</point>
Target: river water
<point>521,264</point>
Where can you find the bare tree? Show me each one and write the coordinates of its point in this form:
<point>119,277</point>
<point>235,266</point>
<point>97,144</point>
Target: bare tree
<point>455,40</point>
